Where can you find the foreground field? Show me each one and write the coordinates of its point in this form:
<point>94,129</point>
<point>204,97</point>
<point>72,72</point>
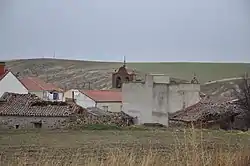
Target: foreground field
<point>150,147</point>
<point>73,73</point>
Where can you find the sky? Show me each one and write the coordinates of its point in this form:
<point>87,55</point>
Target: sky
<point>141,30</point>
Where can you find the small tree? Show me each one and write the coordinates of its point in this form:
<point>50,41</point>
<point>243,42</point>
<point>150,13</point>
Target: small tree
<point>244,93</point>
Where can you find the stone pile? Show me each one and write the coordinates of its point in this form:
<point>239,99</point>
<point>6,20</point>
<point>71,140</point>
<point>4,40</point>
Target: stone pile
<point>86,118</point>
<point>30,105</point>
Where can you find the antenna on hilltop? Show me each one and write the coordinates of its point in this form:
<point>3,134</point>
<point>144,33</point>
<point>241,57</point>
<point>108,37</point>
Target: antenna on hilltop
<point>54,56</point>
<point>124,61</point>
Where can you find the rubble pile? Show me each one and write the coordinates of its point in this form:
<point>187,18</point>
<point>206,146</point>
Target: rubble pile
<point>86,118</point>
<point>207,112</point>
<point>30,105</point>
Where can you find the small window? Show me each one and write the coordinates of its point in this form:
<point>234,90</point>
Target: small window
<point>38,125</point>
<point>55,96</point>
<point>17,126</point>
<point>105,108</point>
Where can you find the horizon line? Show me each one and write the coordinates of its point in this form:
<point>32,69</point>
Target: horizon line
<point>115,61</point>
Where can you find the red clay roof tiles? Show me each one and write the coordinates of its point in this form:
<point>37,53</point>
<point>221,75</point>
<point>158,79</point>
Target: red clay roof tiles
<point>4,74</point>
<point>103,95</point>
<point>35,84</point>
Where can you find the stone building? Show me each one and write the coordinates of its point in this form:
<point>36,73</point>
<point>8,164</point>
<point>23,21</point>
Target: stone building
<point>153,99</point>
<point>28,111</point>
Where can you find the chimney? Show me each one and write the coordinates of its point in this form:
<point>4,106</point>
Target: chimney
<point>2,68</point>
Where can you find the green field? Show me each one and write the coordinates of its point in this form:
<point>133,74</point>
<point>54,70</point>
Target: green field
<point>65,147</point>
<point>204,71</point>
<point>72,73</point>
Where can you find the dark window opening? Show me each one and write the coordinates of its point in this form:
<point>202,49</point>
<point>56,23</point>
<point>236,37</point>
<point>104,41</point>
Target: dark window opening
<point>55,96</point>
<point>17,126</point>
<point>118,82</point>
<point>127,79</point>
<point>38,125</point>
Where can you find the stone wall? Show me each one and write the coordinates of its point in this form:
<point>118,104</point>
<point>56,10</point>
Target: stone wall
<point>23,122</point>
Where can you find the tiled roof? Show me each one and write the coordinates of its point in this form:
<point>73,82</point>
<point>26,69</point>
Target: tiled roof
<point>12,104</point>
<point>35,84</point>
<point>103,95</point>
<point>4,74</point>
<point>205,109</point>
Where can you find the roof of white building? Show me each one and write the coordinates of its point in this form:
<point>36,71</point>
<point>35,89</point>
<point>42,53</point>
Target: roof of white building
<point>103,95</point>
<point>36,84</point>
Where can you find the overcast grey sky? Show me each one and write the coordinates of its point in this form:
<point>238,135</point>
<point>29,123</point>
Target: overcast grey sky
<point>141,30</point>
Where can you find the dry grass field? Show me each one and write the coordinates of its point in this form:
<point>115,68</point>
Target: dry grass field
<point>174,147</point>
<point>73,73</point>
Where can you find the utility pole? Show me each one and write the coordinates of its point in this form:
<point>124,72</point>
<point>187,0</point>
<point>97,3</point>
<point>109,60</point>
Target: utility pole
<point>124,61</point>
<point>54,56</point>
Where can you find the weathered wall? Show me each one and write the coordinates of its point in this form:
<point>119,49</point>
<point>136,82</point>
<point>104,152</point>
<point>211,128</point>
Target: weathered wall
<point>84,101</point>
<point>11,84</point>
<point>137,101</point>
<point>160,104</point>
<point>111,106</point>
<point>8,122</point>
<point>182,96</point>
<point>151,102</point>
<point>68,94</point>
<point>80,99</point>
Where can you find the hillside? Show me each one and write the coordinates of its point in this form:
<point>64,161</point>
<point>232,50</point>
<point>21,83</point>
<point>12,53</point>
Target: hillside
<point>73,73</point>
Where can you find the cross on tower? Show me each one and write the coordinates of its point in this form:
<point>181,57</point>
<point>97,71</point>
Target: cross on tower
<point>124,61</point>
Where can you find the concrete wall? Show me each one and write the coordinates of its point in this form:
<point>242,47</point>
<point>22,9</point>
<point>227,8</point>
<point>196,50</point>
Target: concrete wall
<point>160,104</point>
<point>9,122</point>
<point>111,106</point>
<point>182,96</point>
<point>151,102</point>
<point>11,84</point>
<point>137,101</point>
<point>68,94</point>
<point>80,98</point>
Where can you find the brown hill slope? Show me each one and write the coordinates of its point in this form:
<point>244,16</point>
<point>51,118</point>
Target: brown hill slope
<point>74,73</point>
<point>67,73</point>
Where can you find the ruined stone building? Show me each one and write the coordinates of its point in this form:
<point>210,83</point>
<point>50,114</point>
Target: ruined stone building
<point>27,111</point>
<point>153,99</point>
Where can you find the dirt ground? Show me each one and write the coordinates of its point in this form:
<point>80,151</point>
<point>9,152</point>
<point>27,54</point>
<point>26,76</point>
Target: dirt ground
<point>98,143</point>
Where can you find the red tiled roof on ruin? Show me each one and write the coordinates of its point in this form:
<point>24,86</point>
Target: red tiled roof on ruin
<point>103,95</point>
<point>36,84</point>
<point>4,74</point>
<point>205,108</point>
